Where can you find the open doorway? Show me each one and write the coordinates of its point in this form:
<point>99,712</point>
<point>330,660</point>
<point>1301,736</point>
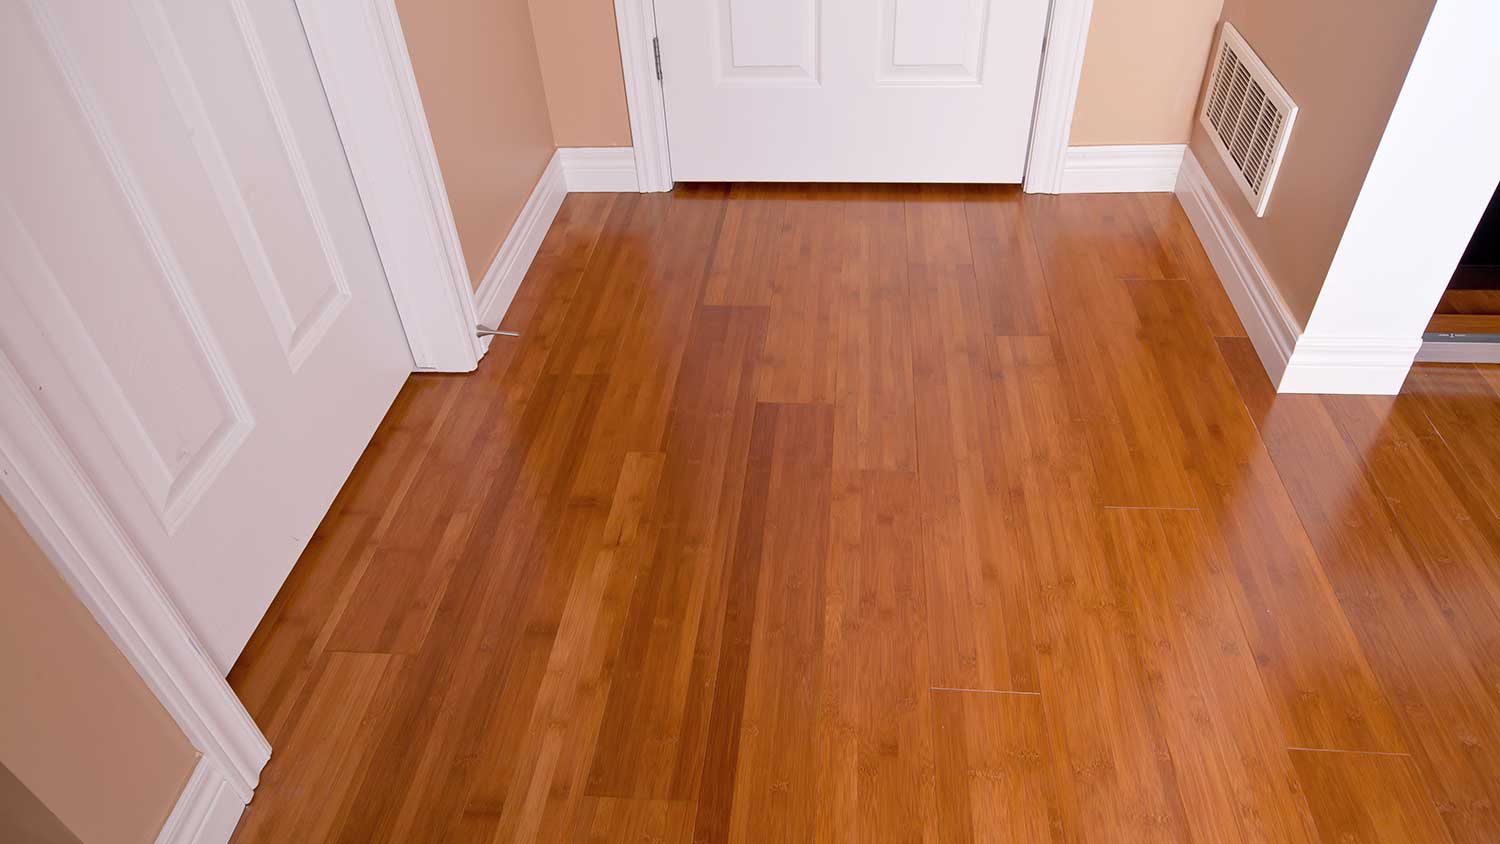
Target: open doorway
<point>1466,326</point>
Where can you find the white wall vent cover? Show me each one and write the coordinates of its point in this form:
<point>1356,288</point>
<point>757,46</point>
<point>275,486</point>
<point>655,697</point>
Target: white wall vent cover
<point>1249,117</point>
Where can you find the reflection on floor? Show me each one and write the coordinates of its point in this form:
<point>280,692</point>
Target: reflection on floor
<point>891,514</point>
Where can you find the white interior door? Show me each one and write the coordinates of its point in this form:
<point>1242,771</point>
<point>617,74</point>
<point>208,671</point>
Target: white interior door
<point>850,90</point>
<point>188,286</point>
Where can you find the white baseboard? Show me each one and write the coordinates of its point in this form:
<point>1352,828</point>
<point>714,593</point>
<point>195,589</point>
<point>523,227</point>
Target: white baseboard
<point>1142,168</point>
<point>1361,366</point>
<point>206,813</point>
<point>1266,317</point>
<point>1297,362</point>
<point>503,278</point>
<point>599,169</point>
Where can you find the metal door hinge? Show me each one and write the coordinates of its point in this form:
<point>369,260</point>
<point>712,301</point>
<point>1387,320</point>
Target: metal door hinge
<point>656,48</point>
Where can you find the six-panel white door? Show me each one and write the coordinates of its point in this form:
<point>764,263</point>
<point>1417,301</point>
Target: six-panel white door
<point>850,90</point>
<point>188,287</point>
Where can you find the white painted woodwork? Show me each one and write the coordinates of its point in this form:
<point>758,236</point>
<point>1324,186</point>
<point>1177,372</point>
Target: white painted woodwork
<point>850,90</point>
<point>188,286</point>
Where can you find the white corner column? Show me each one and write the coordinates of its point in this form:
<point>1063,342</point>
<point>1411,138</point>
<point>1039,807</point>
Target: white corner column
<point>1433,174</point>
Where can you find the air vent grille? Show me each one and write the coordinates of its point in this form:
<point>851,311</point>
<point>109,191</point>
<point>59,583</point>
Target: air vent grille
<point>1249,117</point>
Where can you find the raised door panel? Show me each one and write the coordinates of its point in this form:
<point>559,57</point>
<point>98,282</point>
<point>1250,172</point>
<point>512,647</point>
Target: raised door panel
<point>769,42</point>
<point>88,262</point>
<point>283,236</point>
<point>933,41</point>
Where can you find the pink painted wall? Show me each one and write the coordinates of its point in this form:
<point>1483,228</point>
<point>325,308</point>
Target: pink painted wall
<point>79,729</point>
<point>1343,62</point>
<point>481,84</point>
<point>579,50</point>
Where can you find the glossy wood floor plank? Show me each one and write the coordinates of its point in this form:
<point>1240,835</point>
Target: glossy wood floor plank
<point>875,742</point>
<point>1314,670</point>
<point>874,405</point>
<point>1187,260</point>
<point>798,361</point>
<point>346,705</point>
<point>1445,523</point>
<point>1449,720</point>
<point>1226,744</point>
<point>1102,728</point>
<point>1006,265</point>
<point>1461,408</point>
<point>652,738</point>
<point>1139,451</point>
<point>980,606</point>
<point>744,261</point>
<point>1025,548</point>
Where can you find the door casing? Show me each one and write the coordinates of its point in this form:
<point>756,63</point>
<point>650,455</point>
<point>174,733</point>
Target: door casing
<point>1057,94</point>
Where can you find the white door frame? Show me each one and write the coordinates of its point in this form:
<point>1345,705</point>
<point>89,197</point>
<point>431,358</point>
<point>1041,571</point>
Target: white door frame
<point>360,52</point>
<point>1062,66</point>
<point>64,512</point>
<point>361,55</point>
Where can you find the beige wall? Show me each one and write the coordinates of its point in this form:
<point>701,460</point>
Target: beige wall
<point>1142,70</point>
<point>481,84</point>
<point>1343,62</point>
<point>1140,77</point>
<point>78,727</point>
<point>580,56</point>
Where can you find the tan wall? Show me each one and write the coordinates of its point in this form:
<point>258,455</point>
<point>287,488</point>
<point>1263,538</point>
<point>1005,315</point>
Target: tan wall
<point>1142,71</point>
<point>1140,77</point>
<point>78,727</point>
<point>1343,62</point>
<point>580,56</point>
<point>481,83</point>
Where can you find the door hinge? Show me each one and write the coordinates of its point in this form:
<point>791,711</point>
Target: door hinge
<point>656,48</point>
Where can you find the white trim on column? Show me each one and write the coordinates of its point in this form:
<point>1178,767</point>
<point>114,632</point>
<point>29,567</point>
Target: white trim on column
<point>1297,362</point>
<point>1057,94</point>
<point>635,21</point>
<point>207,811</point>
<point>509,267</point>
<point>600,169</point>
<point>47,489</point>
<point>1141,168</point>
<point>361,55</point>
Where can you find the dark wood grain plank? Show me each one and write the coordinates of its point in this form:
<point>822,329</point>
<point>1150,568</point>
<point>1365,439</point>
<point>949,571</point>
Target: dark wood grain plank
<point>776,778</point>
<point>1367,798</point>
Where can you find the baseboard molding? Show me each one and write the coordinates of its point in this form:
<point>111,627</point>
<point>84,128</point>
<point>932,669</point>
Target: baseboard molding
<point>1297,362</point>
<point>1361,366</point>
<point>508,269</point>
<point>207,811</point>
<point>1143,168</point>
<point>1266,317</point>
<point>599,169</point>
